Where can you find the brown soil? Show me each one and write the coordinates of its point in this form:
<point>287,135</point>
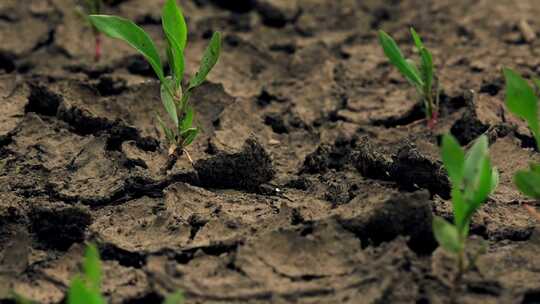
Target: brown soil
<point>315,178</point>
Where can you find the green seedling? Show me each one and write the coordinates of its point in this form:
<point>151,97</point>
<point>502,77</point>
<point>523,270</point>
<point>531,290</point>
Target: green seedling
<point>175,98</point>
<point>86,287</point>
<point>522,100</point>
<point>472,179</point>
<point>93,7</point>
<point>422,78</point>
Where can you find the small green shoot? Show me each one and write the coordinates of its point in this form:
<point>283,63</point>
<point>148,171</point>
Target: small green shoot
<point>473,179</point>
<point>522,100</point>
<point>421,78</point>
<point>93,7</point>
<point>175,98</point>
<point>86,287</point>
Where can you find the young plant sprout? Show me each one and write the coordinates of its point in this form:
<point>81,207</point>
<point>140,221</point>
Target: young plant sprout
<point>523,102</point>
<point>422,78</point>
<point>473,179</point>
<point>86,287</point>
<point>93,7</point>
<point>175,98</point>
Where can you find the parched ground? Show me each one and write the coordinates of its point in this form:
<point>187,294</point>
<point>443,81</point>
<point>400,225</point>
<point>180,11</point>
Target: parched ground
<point>315,177</point>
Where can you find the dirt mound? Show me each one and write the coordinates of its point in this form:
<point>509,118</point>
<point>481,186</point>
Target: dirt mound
<point>315,178</point>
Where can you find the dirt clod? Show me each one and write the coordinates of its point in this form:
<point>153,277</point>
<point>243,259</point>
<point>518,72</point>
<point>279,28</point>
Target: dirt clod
<point>60,227</point>
<point>246,169</point>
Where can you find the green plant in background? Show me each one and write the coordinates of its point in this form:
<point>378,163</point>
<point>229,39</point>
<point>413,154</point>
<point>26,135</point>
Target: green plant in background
<point>175,98</point>
<point>522,100</point>
<point>85,288</point>
<point>93,7</point>
<point>472,179</point>
<point>422,78</point>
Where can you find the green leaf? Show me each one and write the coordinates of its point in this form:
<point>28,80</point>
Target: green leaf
<point>392,51</point>
<point>426,67</point>
<point>127,31</point>
<point>535,167</point>
<point>168,102</point>
<point>174,24</point>
<point>209,59</point>
<point>522,101</point>
<point>174,298</point>
<point>92,267</point>
<point>459,207</point>
<point>417,40</point>
<point>187,121</point>
<point>189,136</point>
<point>446,235</point>
<point>176,61</point>
<point>474,161</point>
<point>528,182</point>
<point>453,158</point>
<point>78,293</point>
<point>477,173</point>
<point>471,175</point>
<point>482,188</point>
<point>480,178</point>
<point>169,134</point>
<point>175,29</point>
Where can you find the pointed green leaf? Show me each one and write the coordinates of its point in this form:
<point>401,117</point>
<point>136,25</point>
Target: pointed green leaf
<point>78,293</point>
<point>453,158</point>
<point>169,103</point>
<point>426,66</point>
<point>174,24</point>
<point>522,101</point>
<point>189,136</point>
<point>187,121</point>
<point>474,161</point>
<point>392,51</point>
<point>446,235</point>
<point>528,182</point>
<point>426,69</point>
<point>482,188</point>
<point>176,61</point>
<point>92,267</point>
<point>174,298</point>
<point>210,58</point>
<point>417,40</point>
<point>127,31</point>
<point>175,29</point>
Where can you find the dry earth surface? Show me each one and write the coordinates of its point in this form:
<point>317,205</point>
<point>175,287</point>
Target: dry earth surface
<point>315,177</point>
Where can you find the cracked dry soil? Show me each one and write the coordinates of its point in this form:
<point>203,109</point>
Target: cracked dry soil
<point>303,101</point>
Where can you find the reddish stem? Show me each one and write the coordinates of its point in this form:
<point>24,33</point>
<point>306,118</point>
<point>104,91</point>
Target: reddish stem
<point>97,53</point>
<point>432,121</point>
